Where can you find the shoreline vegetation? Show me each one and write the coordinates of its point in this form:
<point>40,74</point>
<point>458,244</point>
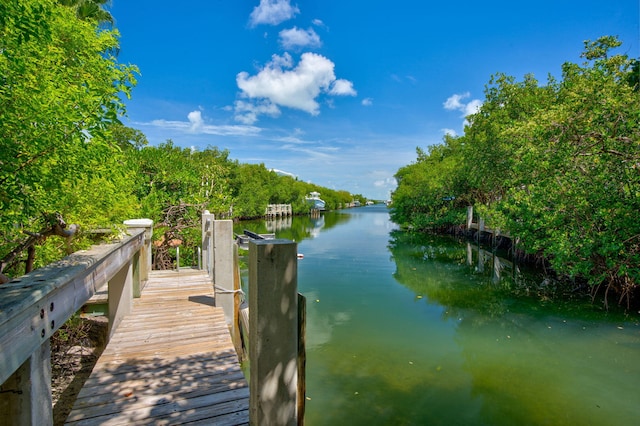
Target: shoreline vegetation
<point>557,165</point>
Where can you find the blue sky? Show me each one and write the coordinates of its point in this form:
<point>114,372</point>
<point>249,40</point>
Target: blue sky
<point>340,93</point>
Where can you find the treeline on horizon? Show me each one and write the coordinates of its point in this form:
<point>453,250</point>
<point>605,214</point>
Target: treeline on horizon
<point>65,158</point>
<point>557,165</point>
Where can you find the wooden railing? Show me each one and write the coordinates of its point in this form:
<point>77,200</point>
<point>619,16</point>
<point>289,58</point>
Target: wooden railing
<point>275,323</point>
<point>35,305</point>
<point>481,226</point>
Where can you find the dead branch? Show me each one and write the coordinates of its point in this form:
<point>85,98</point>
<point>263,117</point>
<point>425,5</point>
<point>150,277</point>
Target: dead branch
<point>54,225</point>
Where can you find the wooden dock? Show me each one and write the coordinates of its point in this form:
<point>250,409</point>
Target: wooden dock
<point>171,361</point>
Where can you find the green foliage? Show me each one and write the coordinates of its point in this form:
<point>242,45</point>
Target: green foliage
<point>557,165</point>
<point>429,190</point>
<point>61,92</point>
<point>167,175</point>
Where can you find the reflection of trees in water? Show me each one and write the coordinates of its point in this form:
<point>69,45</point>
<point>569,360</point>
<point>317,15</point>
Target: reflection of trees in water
<point>456,274</point>
<point>471,280</point>
<point>295,228</point>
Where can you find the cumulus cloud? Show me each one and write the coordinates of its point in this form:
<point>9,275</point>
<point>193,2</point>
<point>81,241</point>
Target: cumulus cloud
<point>294,38</point>
<point>455,103</point>
<point>367,101</point>
<point>342,87</point>
<point>195,118</point>
<point>272,12</point>
<point>449,132</point>
<point>280,84</point>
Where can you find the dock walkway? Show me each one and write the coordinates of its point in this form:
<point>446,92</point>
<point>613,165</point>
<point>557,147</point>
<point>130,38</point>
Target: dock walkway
<point>171,361</point>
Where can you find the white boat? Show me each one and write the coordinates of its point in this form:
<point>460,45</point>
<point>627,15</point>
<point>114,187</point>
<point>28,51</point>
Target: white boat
<point>313,199</point>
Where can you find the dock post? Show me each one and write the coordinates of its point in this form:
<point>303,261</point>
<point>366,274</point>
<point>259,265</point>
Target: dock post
<point>120,296</point>
<point>207,242</point>
<point>143,262</point>
<point>273,331</point>
<point>25,397</point>
<point>223,266</point>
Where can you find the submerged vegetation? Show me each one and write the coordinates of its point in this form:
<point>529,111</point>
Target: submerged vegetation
<point>557,165</point>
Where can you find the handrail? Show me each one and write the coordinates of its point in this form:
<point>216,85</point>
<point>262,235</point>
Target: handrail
<point>34,306</point>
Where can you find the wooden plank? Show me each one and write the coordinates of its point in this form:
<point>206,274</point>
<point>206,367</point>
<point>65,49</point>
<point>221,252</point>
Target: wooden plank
<point>171,361</point>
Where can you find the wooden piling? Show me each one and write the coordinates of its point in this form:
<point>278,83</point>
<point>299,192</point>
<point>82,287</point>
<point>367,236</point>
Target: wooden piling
<point>273,324</point>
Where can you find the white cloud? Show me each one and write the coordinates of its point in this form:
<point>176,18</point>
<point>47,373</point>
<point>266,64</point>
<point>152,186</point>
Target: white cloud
<point>342,87</point>
<point>282,172</point>
<point>388,183</point>
<point>195,118</point>
<point>367,101</point>
<point>281,84</point>
<point>297,38</point>
<point>449,132</point>
<point>196,124</point>
<point>272,12</point>
<point>318,23</point>
<point>472,107</point>
<point>454,103</point>
<point>247,112</point>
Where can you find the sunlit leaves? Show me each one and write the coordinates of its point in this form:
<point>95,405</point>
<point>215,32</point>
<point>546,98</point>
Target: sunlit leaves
<point>557,165</point>
<point>60,93</point>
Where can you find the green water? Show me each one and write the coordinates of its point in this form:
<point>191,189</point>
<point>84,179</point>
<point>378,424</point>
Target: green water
<point>406,330</point>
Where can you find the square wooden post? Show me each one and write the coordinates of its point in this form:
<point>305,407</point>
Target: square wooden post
<point>120,296</point>
<point>207,242</point>
<point>273,331</point>
<point>26,394</point>
<point>143,263</point>
<point>223,266</point>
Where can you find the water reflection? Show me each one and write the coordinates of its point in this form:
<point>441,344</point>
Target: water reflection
<point>530,361</point>
<point>418,329</point>
<point>295,228</point>
<point>274,224</point>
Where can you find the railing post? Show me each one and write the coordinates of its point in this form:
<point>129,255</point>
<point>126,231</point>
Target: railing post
<point>207,242</point>
<point>143,262</point>
<point>26,395</point>
<point>469,216</point>
<point>273,332</point>
<point>223,266</point>
<point>120,296</point>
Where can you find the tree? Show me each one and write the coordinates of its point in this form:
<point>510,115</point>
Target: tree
<point>558,166</point>
<point>61,92</point>
<point>578,204</point>
<point>432,192</point>
<point>90,10</point>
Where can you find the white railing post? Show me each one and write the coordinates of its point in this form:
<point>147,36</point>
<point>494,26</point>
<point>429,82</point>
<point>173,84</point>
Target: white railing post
<point>273,332</point>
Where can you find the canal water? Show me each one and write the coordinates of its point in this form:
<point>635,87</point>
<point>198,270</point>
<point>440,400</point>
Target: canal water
<point>425,330</point>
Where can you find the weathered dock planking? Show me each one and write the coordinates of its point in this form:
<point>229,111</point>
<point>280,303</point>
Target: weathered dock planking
<point>171,361</point>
